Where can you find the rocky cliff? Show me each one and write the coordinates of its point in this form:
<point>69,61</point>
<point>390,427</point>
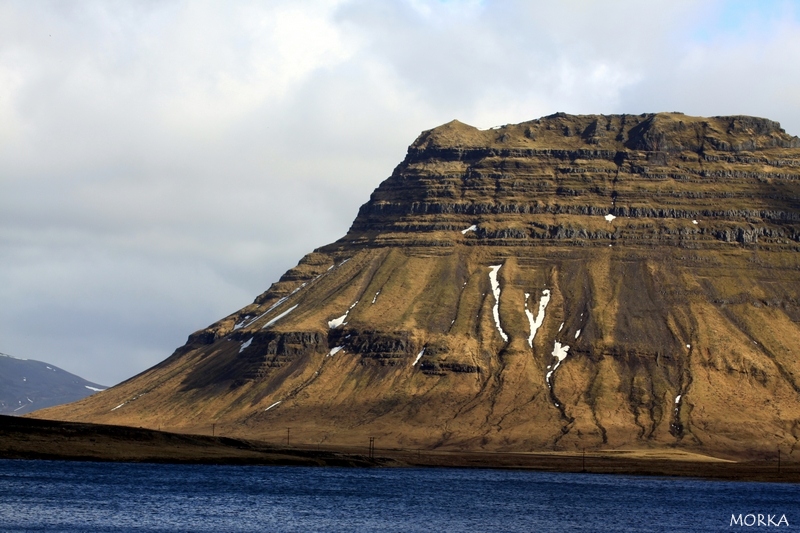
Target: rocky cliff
<point>568,282</point>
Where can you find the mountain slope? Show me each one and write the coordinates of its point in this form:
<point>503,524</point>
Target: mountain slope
<point>568,282</point>
<point>27,385</point>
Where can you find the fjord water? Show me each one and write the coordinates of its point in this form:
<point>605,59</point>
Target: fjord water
<point>76,496</point>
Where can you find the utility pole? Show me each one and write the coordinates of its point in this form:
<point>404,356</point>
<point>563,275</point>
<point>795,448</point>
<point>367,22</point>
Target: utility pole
<point>287,436</point>
<point>779,459</point>
<point>583,461</point>
<point>372,447</point>
<point>213,429</point>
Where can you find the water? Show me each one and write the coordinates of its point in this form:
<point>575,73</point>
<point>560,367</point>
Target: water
<point>75,496</point>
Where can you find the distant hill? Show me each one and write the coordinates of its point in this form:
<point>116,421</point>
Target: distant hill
<point>27,385</point>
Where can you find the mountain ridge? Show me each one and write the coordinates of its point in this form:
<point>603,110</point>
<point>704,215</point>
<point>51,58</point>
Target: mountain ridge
<point>595,281</point>
<point>27,385</point>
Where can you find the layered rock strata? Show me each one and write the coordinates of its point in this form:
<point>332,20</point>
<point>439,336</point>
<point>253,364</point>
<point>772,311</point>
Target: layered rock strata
<point>569,282</point>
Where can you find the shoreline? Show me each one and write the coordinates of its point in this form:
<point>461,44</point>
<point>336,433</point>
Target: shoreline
<point>25,438</point>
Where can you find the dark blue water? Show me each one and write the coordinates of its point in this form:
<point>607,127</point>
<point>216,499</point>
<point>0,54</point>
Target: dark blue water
<point>74,496</point>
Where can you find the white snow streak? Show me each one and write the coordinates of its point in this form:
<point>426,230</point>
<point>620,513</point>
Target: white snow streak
<point>268,324</point>
<point>560,353</point>
<point>493,270</point>
<point>694,222</point>
<point>94,388</point>
<point>273,405</point>
<point>276,304</point>
<point>561,327</point>
<point>120,405</point>
<point>245,323</point>
<point>298,288</point>
<point>609,217</point>
<point>419,356</point>
<point>334,351</point>
<point>471,228</point>
<point>577,333</point>
<point>376,297</point>
<point>678,398</point>
<point>539,320</point>
<point>245,344</point>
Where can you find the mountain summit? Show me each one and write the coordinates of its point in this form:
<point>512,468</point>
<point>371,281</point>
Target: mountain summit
<point>599,281</point>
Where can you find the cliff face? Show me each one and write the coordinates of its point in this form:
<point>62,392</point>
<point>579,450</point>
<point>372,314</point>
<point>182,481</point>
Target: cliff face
<point>568,282</point>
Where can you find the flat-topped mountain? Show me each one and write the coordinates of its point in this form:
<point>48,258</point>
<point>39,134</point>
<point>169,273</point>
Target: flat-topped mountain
<point>573,281</point>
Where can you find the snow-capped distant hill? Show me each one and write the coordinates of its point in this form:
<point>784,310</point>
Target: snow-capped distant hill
<point>27,385</point>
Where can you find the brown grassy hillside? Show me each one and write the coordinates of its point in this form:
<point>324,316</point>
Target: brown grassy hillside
<point>663,250</point>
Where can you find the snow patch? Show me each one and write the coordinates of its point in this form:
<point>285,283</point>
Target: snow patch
<point>245,344</point>
<point>94,388</point>
<point>419,356</point>
<point>340,321</point>
<point>560,353</point>
<point>609,217</point>
<point>561,327</point>
<point>537,322</point>
<point>336,322</point>
<point>120,405</point>
<point>376,297</point>
<point>268,324</point>
<point>577,333</point>
<point>334,351</point>
<point>694,222</point>
<point>471,228</point>
<point>273,405</point>
<point>493,270</point>
<point>688,345</point>
<point>678,398</point>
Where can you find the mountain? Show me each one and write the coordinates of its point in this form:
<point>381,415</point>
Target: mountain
<point>600,282</point>
<point>27,385</point>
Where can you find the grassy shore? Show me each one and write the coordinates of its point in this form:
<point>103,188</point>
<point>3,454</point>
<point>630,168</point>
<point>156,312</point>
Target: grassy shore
<point>23,438</point>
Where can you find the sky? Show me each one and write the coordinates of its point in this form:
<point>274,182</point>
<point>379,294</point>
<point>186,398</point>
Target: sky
<point>163,162</point>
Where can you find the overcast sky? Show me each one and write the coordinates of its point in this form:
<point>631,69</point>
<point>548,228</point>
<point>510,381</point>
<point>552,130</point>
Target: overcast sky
<point>163,162</point>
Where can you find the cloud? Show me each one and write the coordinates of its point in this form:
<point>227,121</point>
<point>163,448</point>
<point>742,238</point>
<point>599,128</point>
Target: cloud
<point>164,162</point>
